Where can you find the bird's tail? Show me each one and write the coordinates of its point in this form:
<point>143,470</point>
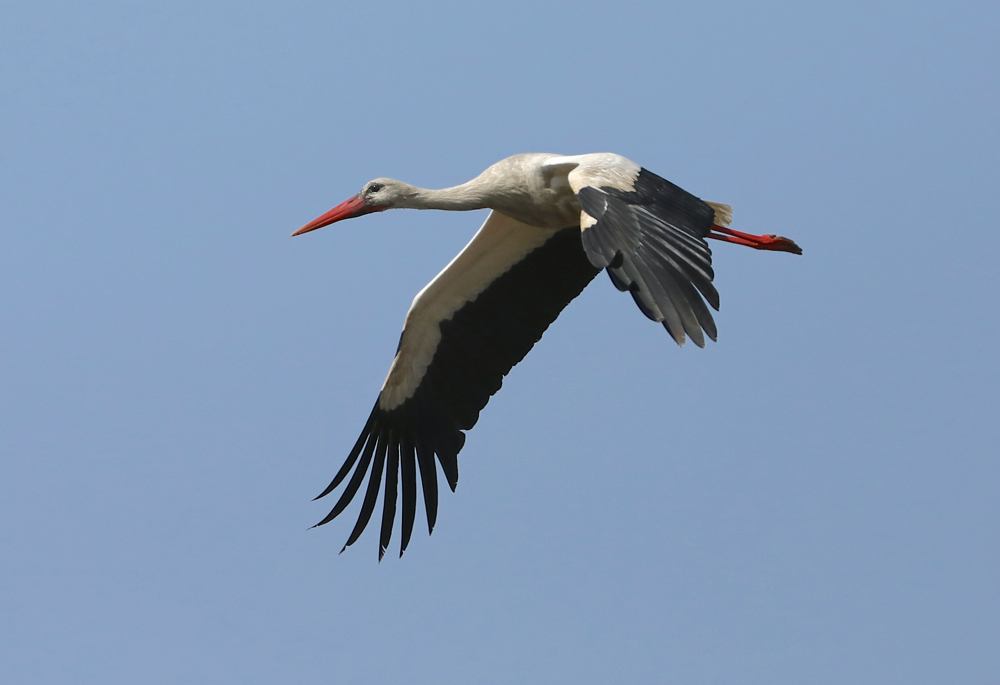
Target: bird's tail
<point>723,213</point>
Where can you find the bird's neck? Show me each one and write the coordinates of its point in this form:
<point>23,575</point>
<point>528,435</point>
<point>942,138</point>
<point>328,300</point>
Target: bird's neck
<point>463,197</point>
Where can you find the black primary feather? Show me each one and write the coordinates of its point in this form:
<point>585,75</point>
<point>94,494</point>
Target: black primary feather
<point>652,242</point>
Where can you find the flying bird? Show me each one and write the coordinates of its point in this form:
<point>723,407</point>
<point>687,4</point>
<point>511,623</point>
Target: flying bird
<point>555,223</point>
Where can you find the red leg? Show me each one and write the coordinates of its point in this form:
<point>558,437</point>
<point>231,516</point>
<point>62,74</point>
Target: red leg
<point>758,242</point>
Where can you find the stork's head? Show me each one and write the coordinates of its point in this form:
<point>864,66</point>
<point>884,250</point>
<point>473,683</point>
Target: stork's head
<point>376,196</point>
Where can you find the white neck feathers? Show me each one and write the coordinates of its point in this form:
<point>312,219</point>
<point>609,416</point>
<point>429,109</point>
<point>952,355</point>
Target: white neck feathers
<point>463,197</point>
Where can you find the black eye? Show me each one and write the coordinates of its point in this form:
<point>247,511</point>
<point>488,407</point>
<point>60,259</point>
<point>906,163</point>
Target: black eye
<point>374,187</point>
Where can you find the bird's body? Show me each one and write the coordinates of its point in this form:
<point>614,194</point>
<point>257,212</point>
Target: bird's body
<point>556,222</point>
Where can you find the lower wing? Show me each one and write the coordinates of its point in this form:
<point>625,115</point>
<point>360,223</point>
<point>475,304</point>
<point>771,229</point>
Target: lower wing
<point>464,332</point>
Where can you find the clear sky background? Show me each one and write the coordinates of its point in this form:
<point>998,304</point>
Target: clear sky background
<point>813,499</point>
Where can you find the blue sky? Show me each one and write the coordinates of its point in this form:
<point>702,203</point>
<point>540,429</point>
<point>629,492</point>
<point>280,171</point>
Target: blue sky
<point>813,499</point>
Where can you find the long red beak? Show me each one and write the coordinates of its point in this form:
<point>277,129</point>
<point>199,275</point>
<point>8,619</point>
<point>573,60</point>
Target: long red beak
<point>347,209</point>
<point>757,242</point>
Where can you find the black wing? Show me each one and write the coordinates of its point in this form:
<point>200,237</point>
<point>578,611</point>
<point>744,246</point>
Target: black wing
<point>479,344</point>
<point>652,241</point>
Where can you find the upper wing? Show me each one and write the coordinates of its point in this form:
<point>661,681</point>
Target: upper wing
<point>464,332</point>
<point>650,235</point>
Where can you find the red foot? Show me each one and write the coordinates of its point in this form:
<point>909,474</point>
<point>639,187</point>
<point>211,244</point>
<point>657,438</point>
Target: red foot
<point>757,242</point>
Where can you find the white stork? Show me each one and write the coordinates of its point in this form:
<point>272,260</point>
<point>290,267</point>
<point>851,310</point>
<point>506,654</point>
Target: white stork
<point>555,223</point>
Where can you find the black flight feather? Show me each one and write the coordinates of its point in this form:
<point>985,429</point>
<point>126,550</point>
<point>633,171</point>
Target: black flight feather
<point>652,241</point>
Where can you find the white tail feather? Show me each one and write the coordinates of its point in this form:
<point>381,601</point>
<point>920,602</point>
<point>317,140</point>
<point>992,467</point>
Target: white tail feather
<point>723,213</point>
